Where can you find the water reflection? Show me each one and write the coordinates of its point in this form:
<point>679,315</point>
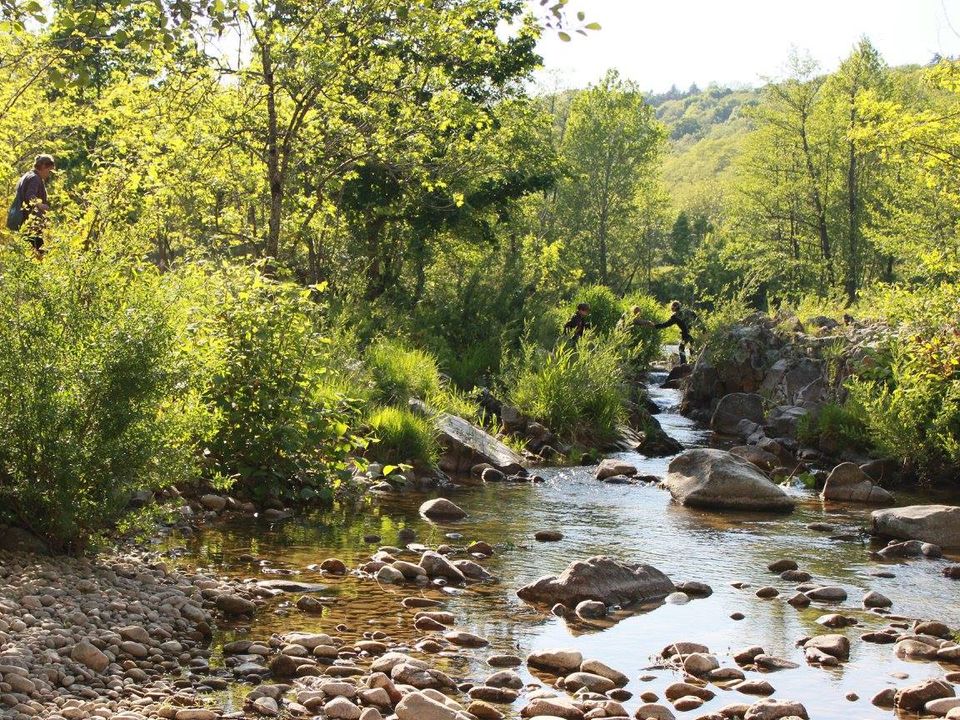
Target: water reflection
<point>635,523</point>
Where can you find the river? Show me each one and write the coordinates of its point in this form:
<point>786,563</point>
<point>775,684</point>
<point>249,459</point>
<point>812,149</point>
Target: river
<point>629,522</point>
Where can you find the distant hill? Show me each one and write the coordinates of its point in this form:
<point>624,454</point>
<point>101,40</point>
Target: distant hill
<point>705,130</point>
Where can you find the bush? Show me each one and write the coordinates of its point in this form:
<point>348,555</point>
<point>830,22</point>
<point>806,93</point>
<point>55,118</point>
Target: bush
<point>400,373</point>
<point>576,392</point>
<point>95,399</point>
<point>644,345</point>
<point>839,425</point>
<point>605,308</point>
<point>285,427</point>
<point>400,436</point>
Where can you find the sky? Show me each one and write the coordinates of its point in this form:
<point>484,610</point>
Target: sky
<point>659,43</point>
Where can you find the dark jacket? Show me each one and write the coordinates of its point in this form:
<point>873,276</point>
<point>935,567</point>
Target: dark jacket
<point>683,319</point>
<point>34,193</point>
<point>576,325</point>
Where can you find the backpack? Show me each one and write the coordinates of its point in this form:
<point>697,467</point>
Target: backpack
<point>15,215</point>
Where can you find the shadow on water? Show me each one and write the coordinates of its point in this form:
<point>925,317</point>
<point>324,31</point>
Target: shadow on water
<point>634,523</point>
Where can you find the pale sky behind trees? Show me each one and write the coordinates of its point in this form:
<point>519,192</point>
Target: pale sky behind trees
<point>661,43</point>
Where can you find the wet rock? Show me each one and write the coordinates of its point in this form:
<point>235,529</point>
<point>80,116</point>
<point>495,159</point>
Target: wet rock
<point>938,524</point>
<point>797,576</point>
<point>472,570</point>
<point>873,599</point>
<point>216,503</point>
<point>715,479</point>
<point>688,703</point>
<point>764,460</point>
<point>480,547</point>
<point>735,407</point>
<point>696,589</point>
<point>952,572</point>
<point>594,683</point>
<point>827,594</point>
<point>611,468</point>
<point>782,565</point>
<point>334,566</point>
<point>465,639</point>
<point>498,695</point>
<point>553,707</point>
<point>436,565</point>
<point>235,605</point>
<point>562,661</point>
<point>776,710</point>
<point>942,706</point>
<point>652,711</point>
<point>884,698</point>
<point>678,690</point>
<point>915,697</point>
<point>389,575</point>
<point>700,663</point>
<point>548,536</point>
<point>848,483</point>
<point>591,609</point>
<point>504,661</point>
<point>340,708</point>
<point>754,687</point>
<point>266,706</point>
<point>936,629</point>
<point>836,620</point>
<point>492,475</point>
<point>599,578</point>
<point>598,668</point>
<point>879,638</point>
<point>417,706</point>
<point>771,663</point>
<point>483,711</point>
<point>915,650</point>
<point>799,600</point>
<point>747,655</point>
<point>442,509</point>
<point>767,592</point>
<point>677,598</point>
<point>837,646</point>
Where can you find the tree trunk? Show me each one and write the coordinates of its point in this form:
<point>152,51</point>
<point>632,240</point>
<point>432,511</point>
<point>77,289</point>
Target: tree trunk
<point>853,264</point>
<point>818,206</point>
<point>274,175</point>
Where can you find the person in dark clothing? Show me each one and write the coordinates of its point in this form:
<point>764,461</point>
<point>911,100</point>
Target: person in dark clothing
<point>684,319</point>
<point>30,203</point>
<point>578,323</point>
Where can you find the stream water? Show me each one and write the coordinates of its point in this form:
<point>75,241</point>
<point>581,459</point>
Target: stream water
<point>634,523</point>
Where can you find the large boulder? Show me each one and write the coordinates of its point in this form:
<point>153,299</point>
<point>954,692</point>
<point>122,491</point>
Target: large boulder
<point>735,407</point>
<point>465,445</point>
<point>847,482</point>
<point>599,578</point>
<point>610,468</point>
<point>785,420</point>
<point>442,509</point>
<point>719,480</point>
<point>938,524</point>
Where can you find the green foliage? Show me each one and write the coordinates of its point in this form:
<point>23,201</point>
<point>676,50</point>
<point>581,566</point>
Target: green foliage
<point>841,426</point>
<point>402,436</point>
<point>576,392</point>
<point>400,372</point>
<point>644,345</point>
<point>605,307</point>
<point>92,400</point>
<point>285,431</point>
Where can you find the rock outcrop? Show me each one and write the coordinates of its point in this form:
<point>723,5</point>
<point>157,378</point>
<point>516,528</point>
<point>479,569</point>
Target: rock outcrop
<point>847,482</point>
<point>465,445</point>
<point>599,578</point>
<point>937,524</point>
<point>719,480</point>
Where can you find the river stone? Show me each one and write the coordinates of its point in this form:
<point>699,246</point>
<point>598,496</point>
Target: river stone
<point>591,609</point>
<point>700,663</point>
<point>87,654</point>
<point>562,661</point>
<point>678,690</point>
<point>548,536</point>
<point>735,407</point>
<point>389,575</point>
<point>938,524</point>
<point>652,711</point>
<point>611,468</point>
<point>915,697</point>
<point>771,709</point>
<point>436,565</point>
<point>915,650</point>
<point>598,668</point>
<point>466,445</point>
<point>442,509</point>
<point>266,706</point>
<point>885,698</point>
<point>754,687</point>
<point>873,599</point>
<point>836,645</point>
<point>340,708</point>
<point>497,695</point>
<point>465,639</point>
<point>553,707</point>
<point>829,593</point>
<point>942,706</point>
<point>599,578</point>
<point>213,502</point>
<point>196,714</point>
<point>505,661</point>
<point>235,605</point>
<point>505,678</point>
<point>480,709</point>
<point>593,683</point>
<point>418,706</point>
<point>782,565</point>
<point>715,479</point>
<point>764,460</point>
<point>848,483</point>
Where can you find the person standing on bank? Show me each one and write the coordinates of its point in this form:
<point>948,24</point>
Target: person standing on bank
<point>580,322</point>
<point>29,207</point>
<point>684,319</point>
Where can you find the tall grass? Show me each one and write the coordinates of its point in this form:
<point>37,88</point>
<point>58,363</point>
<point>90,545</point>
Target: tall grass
<point>400,372</point>
<point>576,392</point>
<point>403,437</point>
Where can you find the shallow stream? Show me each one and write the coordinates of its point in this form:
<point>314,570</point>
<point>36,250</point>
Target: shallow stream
<point>633,523</point>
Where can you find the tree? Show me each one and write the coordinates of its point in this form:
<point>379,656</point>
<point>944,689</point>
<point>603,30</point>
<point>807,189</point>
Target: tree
<point>612,144</point>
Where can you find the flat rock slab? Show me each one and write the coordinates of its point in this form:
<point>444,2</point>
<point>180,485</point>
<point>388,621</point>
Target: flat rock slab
<point>291,586</point>
<point>718,480</point>
<point>599,578</point>
<point>938,524</point>
<point>467,445</point>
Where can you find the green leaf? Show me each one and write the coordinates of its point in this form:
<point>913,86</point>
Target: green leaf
<point>564,36</point>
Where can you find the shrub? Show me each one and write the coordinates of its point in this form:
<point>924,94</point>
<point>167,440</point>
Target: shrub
<point>605,308</point>
<point>400,436</point>
<point>576,392</point>
<point>95,399</point>
<point>285,428</point>
<point>841,425</point>
<point>400,372</point>
<point>644,345</point>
